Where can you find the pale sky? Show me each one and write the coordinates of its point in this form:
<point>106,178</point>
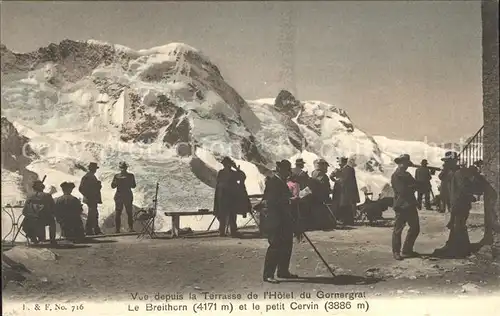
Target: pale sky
<point>406,70</point>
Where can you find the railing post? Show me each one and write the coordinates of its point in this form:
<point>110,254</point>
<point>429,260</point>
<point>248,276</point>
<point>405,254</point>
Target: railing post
<point>473,149</point>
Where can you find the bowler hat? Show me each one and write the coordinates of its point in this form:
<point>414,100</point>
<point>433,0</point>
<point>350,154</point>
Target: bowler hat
<point>403,158</point>
<point>283,164</point>
<point>38,184</point>
<point>227,161</point>
<point>123,165</point>
<point>67,185</point>
<point>299,161</point>
<point>321,161</point>
<point>450,155</point>
<point>342,159</point>
<point>478,163</point>
<point>93,165</point>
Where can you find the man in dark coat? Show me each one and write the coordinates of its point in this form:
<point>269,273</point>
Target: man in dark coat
<point>346,191</point>
<point>90,188</point>
<point>280,224</point>
<point>39,212</point>
<point>300,175</point>
<point>450,165</point>
<point>68,210</point>
<point>229,198</point>
<point>123,182</point>
<point>405,207</point>
<point>319,184</point>
<point>423,177</point>
<point>462,187</point>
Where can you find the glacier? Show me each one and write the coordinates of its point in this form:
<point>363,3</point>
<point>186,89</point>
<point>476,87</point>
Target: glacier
<point>171,115</point>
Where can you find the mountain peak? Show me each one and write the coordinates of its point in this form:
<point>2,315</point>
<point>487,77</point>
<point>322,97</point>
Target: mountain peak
<point>286,103</point>
<point>285,99</point>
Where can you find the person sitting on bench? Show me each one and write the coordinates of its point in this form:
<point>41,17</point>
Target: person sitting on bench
<point>68,210</point>
<point>38,212</point>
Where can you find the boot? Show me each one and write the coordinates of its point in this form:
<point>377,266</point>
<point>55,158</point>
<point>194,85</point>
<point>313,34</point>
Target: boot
<point>271,280</point>
<point>397,256</point>
<point>410,254</point>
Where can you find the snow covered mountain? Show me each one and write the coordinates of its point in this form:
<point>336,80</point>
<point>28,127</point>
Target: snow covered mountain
<point>170,114</point>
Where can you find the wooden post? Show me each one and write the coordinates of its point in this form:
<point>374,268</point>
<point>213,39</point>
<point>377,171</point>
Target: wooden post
<point>489,16</point>
<point>175,225</point>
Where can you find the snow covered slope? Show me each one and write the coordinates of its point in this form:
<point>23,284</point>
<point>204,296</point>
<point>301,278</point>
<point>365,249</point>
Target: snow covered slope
<point>170,114</point>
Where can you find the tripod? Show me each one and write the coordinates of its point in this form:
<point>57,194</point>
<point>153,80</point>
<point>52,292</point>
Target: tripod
<point>155,201</point>
<point>149,223</point>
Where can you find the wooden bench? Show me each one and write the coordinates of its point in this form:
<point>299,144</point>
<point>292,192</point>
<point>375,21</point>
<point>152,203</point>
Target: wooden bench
<point>176,216</point>
<point>176,219</point>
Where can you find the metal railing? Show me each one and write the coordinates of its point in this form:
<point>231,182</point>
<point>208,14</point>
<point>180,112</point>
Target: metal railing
<point>473,150</point>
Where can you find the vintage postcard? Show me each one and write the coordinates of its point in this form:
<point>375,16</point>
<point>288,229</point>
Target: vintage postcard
<point>232,157</point>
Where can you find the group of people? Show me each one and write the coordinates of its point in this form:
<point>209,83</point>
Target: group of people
<point>312,210</point>
<point>458,186</point>
<point>41,210</point>
<point>283,201</point>
<point>463,183</point>
<point>341,199</point>
<point>282,197</point>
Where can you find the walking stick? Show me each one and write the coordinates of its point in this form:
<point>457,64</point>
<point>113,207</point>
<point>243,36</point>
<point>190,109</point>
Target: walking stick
<point>312,245</point>
<point>331,213</point>
<point>319,254</point>
<point>210,226</point>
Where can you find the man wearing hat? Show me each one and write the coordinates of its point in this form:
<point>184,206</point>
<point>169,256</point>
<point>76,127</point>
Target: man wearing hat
<point>346,191</point>
<point>279,225</point>
<point>300,175</point>
<point>68,210</point>
<point>319,182</point>
<point>123,182</point>
<point>450,165</point>
<point>90,188</point>
<point>38,212</point>
<point>229,199</point>
<point>423,177</point>
<point>405,207</point>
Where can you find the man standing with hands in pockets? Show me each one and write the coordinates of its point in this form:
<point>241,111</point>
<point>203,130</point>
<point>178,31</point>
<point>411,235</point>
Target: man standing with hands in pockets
<point>123,182</point>
<point>405,207</point>
<point>90,188</point>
